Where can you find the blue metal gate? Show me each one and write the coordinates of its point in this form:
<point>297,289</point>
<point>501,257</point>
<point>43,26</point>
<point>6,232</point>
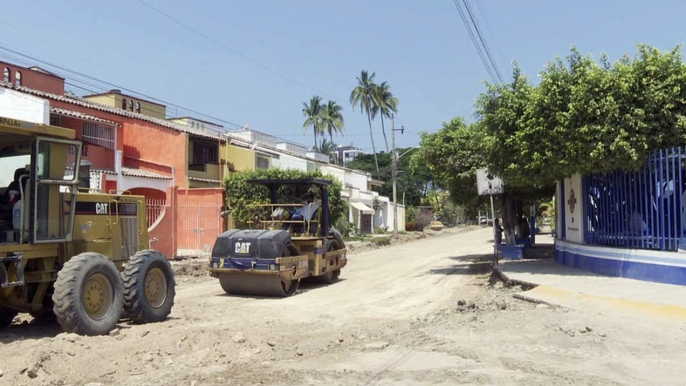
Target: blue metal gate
<point>641,209</point>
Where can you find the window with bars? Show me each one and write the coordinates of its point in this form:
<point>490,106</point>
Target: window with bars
<point>17,78</point>
<point>98,134</point>
<point>6,74</point>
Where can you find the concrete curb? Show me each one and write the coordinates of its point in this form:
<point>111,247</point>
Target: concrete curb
<point>561,298</point>
<point>507,280</point>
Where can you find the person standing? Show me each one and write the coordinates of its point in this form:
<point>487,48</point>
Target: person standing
<point>498,232</point>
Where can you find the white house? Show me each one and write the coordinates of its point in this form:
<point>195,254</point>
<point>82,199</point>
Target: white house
<point>367,210</point>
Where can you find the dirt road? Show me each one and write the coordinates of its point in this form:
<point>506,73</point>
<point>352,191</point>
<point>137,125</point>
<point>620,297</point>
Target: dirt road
<point>421,313</point>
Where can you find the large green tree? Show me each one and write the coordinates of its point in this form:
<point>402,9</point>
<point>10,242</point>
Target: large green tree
<point>363,96</point>
<point>583,117</point>
<point>332,119</point>
<point>384,104</point>
<point>312,112</point>
<point>586,117</point>
<point>452,155</point>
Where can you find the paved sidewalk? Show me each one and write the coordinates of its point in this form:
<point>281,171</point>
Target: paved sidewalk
<point>573,288</point>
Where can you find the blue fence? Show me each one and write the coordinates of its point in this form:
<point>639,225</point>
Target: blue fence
<point>642,209</point>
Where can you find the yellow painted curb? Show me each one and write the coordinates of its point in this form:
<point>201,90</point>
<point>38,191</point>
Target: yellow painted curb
<point>555,295</point>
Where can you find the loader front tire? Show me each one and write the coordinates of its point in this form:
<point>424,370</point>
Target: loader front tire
<point>148,287</point>
<point>88,295</point>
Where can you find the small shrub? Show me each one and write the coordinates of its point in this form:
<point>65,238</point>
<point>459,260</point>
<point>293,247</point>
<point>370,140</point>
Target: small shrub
<point>381,241</point>
<point>345,227</point>
<point>380,230</point>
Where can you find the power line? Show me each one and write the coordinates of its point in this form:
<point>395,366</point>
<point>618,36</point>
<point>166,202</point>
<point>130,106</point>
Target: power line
<point>490,30</point>
<point>229,49</point>
<point>474,41</point>
<point>91,87</point>
<point>483,41</point>
<point>86,85</point>
<point>116,86</point>
<point>478,40</point>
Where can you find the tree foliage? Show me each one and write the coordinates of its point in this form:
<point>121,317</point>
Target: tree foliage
<point>332,119</point>
<point>312,112</point>
<point>331,149</point>
<point>240,194</point>
<point>452,155</point>
<point>362,95</point>
<point>384,104</point>
<point>413,182</point>
<point>585,116</point>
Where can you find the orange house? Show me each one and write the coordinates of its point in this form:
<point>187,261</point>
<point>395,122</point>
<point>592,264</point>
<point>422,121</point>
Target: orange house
<point>132,151</point>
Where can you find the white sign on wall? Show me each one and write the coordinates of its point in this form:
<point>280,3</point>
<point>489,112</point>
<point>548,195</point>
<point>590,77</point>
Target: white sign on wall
<point>487,183</point>
<point>24,107</point>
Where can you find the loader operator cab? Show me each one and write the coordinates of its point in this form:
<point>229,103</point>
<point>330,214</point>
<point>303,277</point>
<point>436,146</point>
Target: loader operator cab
<point>38,176</point>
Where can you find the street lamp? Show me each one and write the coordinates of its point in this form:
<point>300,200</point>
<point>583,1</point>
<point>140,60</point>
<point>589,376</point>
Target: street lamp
<point>394,173</point>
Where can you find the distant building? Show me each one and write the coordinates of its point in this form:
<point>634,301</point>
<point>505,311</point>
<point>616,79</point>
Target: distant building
<point>265,145</point>
<point>115,98</point>
<point>32,77</point>
<point>198,124</point>
<point>256,136</point>
<point>347,153</point>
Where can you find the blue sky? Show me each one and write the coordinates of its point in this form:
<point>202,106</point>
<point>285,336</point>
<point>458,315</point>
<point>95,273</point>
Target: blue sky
<point>420,47</point>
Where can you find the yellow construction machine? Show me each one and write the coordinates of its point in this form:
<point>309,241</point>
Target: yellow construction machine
<point>84,256</point>
<point>289,241</point>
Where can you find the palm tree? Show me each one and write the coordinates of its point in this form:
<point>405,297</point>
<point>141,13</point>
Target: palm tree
<point>332,119</point>
<point>313,114</point>
<point>329,148</point>
<point>384,104</point>
<point>362,95</point>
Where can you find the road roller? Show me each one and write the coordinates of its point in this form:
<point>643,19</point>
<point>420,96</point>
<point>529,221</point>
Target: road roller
<point>288,240</point>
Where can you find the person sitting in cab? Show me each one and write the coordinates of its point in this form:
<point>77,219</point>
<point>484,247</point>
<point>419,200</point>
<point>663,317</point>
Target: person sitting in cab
<point>11,195</point>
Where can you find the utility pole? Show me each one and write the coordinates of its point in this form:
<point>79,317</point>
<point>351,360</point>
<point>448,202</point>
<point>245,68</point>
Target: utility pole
<point>394,175</point>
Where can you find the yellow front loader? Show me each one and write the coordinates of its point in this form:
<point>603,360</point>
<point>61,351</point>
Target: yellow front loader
<point>83,256</point>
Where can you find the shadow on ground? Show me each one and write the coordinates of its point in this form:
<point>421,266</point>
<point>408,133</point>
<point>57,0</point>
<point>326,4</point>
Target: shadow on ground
<point>36,329</point>
<point>305,285</point>
<point>467,265</point>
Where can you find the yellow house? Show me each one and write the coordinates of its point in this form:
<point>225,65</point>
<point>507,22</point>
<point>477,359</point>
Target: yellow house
<point>115,98</point>
<point>204,161</point>
<point>236,158</point>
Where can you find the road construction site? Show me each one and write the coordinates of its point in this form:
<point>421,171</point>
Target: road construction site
<point>424,312</point>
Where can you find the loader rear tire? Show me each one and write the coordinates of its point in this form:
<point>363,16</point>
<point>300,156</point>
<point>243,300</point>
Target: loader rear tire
<point>6,318</point>
<point>88,295</point>
<point>148,287</point>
